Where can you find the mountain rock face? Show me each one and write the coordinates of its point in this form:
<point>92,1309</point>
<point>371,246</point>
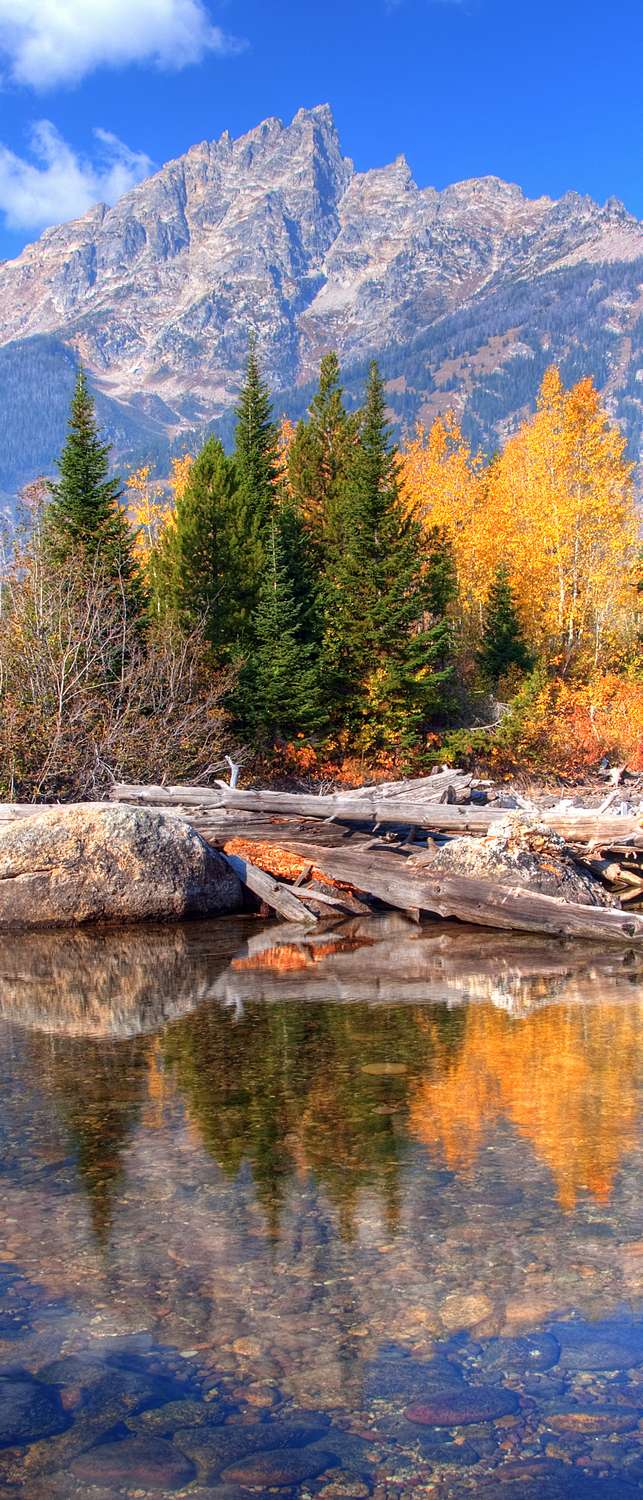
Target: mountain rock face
<point>464,295</point>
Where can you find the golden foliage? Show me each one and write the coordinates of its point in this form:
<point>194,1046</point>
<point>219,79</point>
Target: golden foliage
<point>565,483</point>
<point>443,486</point>
<point>149,509</point>
<point>557,506</point>
<point>285,438</point>
<point>180,470</point>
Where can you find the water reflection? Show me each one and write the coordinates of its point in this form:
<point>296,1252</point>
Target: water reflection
<point>305,1157</point>
<point>567,1078</point>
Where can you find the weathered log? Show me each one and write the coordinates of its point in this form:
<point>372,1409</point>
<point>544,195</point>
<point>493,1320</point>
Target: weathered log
<point>397,882</point>
<point>429,788</point>
<point>280,897</point>
<point>635,893</point>
<point>324,899</point>
<point>574,825</point>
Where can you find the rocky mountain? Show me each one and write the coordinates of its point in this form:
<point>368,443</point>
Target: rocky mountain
<point>464,295</point>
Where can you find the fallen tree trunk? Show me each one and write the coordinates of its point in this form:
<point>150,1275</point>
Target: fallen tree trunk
<point>279,897</point>
<point>581,826</point>
<point>398,882</point>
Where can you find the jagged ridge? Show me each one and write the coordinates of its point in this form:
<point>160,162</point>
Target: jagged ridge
<point>464,294</point>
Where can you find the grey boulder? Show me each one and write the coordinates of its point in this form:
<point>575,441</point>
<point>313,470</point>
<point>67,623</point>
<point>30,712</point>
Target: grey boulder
<point>101,863</point>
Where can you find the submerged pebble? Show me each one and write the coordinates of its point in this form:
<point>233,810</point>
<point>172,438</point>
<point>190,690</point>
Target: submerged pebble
<point>279,1468</point>
<point>458,1408</point>
<point>150,1463</point>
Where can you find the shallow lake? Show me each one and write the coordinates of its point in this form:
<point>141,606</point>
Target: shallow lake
<point>329,1213</point>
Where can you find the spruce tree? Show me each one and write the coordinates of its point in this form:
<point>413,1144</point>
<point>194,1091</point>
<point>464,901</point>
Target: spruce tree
<point>208,556</point>
<point>302,566</point>
<point>320,453</point>
<point>255,449</point>
<point>503,643</point>
<point>278,689</point>
<point>85,514</point>
<point>384,668</point>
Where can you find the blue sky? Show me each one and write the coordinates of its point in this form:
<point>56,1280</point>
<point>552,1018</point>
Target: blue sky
<point>93,93</point>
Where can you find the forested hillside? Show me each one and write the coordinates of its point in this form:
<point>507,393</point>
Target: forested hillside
<point>322,601</point>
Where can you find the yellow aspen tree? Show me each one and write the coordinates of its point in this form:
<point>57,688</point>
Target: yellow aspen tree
<point>444,486</point>
<point>562,498</point>
<point>180,469</point>
<point>148,509</point>
<point>285,437</point>
<point>152,511</point>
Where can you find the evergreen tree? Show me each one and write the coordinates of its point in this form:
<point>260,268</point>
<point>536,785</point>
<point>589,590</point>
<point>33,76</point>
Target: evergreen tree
<point>85,513</point>
<point>384,667</point>
<point>503,642</point>
<point>208,556</point>
<point>255,445</point>
<point>320,454</point>
<point>302,566</point>
<point>442,580</point>
<point>278,690</point>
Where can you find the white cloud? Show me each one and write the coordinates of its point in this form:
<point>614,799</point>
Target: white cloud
<point>58,184</point>
<point>50,42</point>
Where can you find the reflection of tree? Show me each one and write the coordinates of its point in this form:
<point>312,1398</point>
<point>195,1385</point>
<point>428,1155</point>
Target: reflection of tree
<point>98,1088</point>
<point>565,1076</point>
<point>315,1087</point>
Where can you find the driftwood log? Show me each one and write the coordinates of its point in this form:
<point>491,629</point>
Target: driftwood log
<point>398,882</point>
<point>574,825</point>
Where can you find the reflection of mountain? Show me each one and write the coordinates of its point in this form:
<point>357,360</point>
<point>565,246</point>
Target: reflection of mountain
<point>566,1078</point>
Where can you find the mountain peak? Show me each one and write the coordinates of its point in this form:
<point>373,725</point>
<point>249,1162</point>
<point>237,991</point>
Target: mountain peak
<point>319,113</point>
<point>275,230</point>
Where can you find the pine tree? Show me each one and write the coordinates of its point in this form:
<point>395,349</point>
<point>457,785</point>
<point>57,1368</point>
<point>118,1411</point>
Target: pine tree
<point>383,651</point>
<point>208,555</point>
<point>302,566</point>
<point>320,453</point>
<point>255,449</point>
<point>278,691</point>
<point>503,644</point>
<point>85,514</point>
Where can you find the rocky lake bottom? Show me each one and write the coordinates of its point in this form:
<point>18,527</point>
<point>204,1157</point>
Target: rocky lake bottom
<point>346,1212</point>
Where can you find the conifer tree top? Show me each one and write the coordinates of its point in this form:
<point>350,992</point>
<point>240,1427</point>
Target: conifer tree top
<point>84,495</point>
<point>255,437</point>
<point>85,511</point>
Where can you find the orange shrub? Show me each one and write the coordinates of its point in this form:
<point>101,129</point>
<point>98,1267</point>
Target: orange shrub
<point>601,718</point>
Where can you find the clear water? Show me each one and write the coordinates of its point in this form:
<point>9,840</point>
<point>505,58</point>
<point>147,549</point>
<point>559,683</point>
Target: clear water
<point>345,1213</point>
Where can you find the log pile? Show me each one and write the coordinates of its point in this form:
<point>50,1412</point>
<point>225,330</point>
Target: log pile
<point>306,856</point>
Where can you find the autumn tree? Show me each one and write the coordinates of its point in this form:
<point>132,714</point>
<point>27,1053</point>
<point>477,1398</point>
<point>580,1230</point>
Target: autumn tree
<point>440,482</point>
<point>556,505</point>
<point>563,511</point>
<point>151,512</point>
